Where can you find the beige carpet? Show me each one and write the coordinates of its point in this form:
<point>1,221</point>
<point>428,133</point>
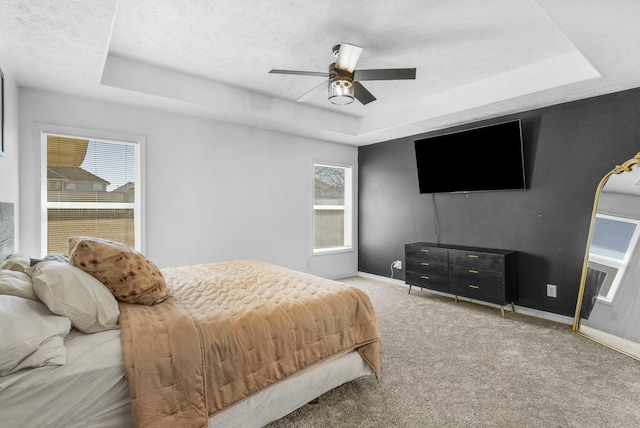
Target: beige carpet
<point>447,364</point>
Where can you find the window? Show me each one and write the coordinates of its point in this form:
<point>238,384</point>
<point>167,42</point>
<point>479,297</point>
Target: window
<point>332,208</point>
<point>91,187</point>
<point>612,242</point>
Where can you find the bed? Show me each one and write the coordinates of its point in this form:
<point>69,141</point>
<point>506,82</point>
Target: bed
<point>234,343</point>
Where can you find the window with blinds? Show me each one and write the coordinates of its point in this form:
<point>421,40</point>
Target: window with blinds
<point>612,243</point>
<point>91,190</point>
<point>332,208</point>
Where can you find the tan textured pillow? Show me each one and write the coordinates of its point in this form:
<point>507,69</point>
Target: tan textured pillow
<point>127,273</point>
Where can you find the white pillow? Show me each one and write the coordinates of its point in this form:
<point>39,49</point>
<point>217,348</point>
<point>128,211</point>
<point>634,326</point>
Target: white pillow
<point>14,283</point>
<point>30,335</point>
<point>16,261</point>
<point>75,294</point>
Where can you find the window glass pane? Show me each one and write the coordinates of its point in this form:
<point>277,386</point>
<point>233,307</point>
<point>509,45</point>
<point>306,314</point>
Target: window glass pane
<point>328,185</point>
<point>329,228</point>
<point>113,224</point>
<point>80,170</point>
<point>611,238</point>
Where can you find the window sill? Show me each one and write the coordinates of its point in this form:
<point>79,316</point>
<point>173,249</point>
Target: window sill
<point>332,250</point>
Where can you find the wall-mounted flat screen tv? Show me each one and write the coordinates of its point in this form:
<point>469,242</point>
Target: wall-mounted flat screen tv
<point>479,159</point>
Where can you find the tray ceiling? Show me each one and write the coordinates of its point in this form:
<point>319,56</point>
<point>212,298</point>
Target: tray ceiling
<point>475,60</point>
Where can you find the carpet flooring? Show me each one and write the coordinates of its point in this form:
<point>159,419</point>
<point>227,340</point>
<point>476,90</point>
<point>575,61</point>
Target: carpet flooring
<point>447,364</point>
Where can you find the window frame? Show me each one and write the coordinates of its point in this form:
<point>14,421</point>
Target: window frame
<point>348,207</point>
<point>620,265</point>
<point>139,206</point>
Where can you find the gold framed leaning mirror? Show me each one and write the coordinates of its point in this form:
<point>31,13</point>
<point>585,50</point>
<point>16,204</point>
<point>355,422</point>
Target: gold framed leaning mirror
<point>608,306</point>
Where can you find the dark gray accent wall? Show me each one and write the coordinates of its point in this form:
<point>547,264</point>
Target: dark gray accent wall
<point>568,149</point>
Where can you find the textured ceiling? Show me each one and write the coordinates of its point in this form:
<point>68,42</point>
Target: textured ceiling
<point>475,59</point>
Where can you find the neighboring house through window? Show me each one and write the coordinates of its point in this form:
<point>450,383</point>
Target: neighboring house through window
<point>91,187</point>
<point>332,208</point>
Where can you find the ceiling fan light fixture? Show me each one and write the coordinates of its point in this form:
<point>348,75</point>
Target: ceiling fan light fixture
<point>339,93</point>
<point>342,83</point>
<point>341,89</point>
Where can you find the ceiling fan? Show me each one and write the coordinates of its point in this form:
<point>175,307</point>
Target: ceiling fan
<point>344,80</point>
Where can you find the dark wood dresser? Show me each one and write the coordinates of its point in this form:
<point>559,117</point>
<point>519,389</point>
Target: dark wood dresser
<point>484,274</point>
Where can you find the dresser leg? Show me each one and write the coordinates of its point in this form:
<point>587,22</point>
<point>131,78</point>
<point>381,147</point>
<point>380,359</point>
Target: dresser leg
<point>455,298</point>
<point>513,307</point>
<point>409,292</point>
<point>502,310</point>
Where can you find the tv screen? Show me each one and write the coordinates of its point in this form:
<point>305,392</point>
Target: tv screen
<point>479,159</point>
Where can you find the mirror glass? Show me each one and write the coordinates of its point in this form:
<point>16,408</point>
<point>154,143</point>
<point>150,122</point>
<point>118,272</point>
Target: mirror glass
<point>608,307</point>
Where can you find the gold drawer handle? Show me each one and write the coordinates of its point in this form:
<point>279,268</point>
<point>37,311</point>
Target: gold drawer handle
<point>472,256</point>
<point>473,271</point>
<point>473,286</point>
<point>424,264</point>
<point>424,277</point>
<point>424,251</point>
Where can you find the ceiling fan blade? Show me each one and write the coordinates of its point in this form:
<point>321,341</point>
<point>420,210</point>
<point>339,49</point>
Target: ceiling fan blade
<point>301,73</point>
<point>312,92</point>
<point>362,94</point>
<point>348,56</point>
<point>385,74</point>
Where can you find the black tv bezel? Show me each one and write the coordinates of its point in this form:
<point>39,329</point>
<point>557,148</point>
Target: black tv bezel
<point>522,182</point>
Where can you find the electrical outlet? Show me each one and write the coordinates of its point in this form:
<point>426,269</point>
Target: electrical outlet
<point>551,290</point>
<point>397,264</point>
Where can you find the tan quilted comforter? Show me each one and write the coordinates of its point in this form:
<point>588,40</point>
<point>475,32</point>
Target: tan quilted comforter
<point>231,329</point>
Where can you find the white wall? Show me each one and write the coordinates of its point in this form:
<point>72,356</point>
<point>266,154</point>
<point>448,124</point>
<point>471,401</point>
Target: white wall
<point>214,191</point>
<point>9,188</point>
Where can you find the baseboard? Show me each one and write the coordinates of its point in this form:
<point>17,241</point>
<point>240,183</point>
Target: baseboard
<point>382,278</point>
<point>563,319</point>
<point>344,275</point>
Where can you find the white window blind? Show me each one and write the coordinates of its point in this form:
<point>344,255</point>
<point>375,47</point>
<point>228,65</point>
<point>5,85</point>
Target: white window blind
<point>91,190</point>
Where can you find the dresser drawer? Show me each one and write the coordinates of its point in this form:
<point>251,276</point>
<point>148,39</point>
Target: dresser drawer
<point>489,263</point>
<point>432,282</point>
<point>485,277</point>
<point>426,253</point>
<point>426,266</point>
<point>486,293</point>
